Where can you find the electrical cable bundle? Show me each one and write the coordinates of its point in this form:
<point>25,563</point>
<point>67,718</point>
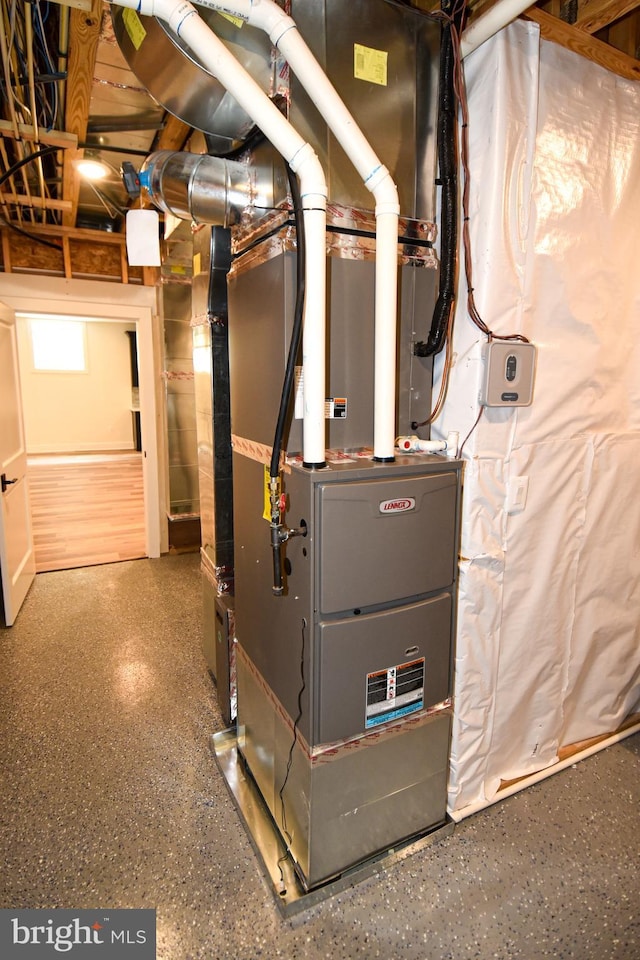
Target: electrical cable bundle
<point>29,86</point>
<point>452,87</point>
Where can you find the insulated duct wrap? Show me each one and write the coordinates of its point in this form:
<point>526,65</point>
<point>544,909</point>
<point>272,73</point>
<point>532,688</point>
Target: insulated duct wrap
<point>548,622</point>
<point>197,187</point>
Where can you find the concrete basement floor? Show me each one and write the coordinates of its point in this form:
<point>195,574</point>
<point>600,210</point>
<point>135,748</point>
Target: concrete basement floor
<point>110,798</point>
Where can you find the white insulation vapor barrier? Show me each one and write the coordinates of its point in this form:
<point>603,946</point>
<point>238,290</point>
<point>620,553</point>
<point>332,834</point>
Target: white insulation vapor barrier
<point>548,638</point>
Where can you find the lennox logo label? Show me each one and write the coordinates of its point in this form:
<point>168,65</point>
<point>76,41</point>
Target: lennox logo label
<point>397,506</point>
<point>49,933</point>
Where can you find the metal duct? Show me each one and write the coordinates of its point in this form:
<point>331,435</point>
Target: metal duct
<point>198,187</point>
<point>176,77</point>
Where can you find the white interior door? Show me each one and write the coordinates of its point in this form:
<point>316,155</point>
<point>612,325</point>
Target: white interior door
<point>17,560</point>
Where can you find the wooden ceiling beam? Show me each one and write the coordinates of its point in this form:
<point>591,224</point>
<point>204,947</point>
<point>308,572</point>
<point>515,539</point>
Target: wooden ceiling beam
<point>99,237</point>
<point>174,133</point>
<point>584,44</point>
<point>84,33</point>
<point>593,15</point>
<point>51,138</point>
<point>40,203</point>
<point>173,136</point>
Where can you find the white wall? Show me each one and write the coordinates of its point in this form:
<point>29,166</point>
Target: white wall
<point>79,411</point>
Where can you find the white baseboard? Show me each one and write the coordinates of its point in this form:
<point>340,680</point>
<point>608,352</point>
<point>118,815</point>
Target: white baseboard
<point>92,447</point>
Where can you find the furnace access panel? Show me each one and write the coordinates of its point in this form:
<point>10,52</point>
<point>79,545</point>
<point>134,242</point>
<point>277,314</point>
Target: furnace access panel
<point>374,582</point>
<point>385,574</point>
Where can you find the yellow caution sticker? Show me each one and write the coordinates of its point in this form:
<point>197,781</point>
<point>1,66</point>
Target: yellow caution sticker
<point>370,64</point>
<point>267,493</point>
<point>197,265</point>
<point>236,21</point>
<point>133,26</point>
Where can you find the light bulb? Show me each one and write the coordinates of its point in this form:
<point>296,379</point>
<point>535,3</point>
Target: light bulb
<point>92,169</point>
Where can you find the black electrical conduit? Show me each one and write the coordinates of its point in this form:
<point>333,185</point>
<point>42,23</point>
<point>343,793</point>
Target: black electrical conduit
<point>280,533</point>
<point>296,333</point>
<point>255,137</point>
<point>7,175</point>
<point>448,178</point>
<point>29,159</point>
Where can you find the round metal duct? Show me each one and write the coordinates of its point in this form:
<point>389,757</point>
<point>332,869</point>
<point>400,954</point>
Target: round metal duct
<point>178,81</point>
<point>197,187</point>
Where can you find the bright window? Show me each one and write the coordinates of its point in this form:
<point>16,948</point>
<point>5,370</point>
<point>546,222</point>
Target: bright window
<point>58,344</point>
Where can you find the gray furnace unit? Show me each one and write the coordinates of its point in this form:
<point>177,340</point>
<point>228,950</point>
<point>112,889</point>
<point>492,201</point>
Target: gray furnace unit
<point>344,682</point>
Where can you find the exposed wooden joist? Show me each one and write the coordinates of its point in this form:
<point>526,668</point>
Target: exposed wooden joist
<point>173,135</point>
<point>6,251</point>
<point>51,138</point>
<point>80,4</point>
<point>90,236</point>
<point>66,257</point>
<point>41,203</point>
<point>593,15</point>
<point>70,253</point>
<point>84,32</point>
<point>584,44</point>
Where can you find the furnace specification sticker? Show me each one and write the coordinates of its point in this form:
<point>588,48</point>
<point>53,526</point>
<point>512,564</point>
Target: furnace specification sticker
<point>335,408</point>
<point>394,692</point>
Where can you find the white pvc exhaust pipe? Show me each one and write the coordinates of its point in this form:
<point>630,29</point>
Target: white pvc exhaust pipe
<point>501,14</point>
<point>184,21</point>
<point>284,34</point>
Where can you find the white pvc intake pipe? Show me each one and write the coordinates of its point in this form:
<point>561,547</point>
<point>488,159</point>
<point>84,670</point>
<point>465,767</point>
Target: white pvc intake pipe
<point>490,22</point>
<point>284,34</point>
<point>185,22</point>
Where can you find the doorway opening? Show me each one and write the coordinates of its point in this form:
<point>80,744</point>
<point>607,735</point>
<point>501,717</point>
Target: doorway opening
<point>132,308</point>
<point>80,397</point>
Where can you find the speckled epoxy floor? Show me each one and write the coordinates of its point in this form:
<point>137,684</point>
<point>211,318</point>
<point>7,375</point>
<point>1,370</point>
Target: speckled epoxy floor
<point>110,798</point>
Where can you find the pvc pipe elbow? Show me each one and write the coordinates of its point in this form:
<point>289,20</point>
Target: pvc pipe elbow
<point>380,183</point>
<point>453,439</point>
<point>141,6</point>
<point>387,208</point>
<point>264,14</point>
<point>414,444</point>
<point>272,19</point>
<point>173,12</point>
<point>313,183</point>
<point>163,9</point>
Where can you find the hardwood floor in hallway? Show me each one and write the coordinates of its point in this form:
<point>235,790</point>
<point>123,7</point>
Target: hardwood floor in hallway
<point>86,509</point>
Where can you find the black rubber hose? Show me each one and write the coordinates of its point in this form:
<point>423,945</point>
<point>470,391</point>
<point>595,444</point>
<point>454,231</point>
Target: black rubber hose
<point>448,177</point>
<point>29,159</point>
<point>296,333</point>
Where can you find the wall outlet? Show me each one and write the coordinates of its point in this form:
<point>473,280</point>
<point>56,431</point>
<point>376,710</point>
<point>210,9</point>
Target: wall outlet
<point>508,373</point>
<point>517,489</point>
